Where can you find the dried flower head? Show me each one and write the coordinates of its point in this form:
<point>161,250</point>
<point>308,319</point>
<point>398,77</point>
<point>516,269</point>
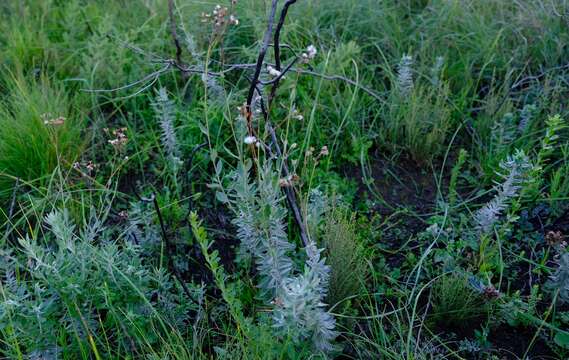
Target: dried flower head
<point>123,215</point>
<point>120,139</point>
<point>309,54</point>
<point>273,72</point>
<point>553,238</point>
<point>60,120</point>
<point>220,17</point>
<point>250,140</point>
<point>289,181</point>
<point>296,114</point>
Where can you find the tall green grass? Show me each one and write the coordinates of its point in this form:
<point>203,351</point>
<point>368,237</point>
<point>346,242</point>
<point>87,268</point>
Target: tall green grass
<point>39,130</point>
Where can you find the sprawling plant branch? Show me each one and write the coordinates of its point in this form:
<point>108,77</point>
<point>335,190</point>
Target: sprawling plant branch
<point>170,64</point>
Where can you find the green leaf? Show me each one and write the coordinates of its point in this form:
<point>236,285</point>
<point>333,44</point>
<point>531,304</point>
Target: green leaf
<point>221,197</point>
<point>218,167</point>
<point>203,129</point>
<point>562,339</point>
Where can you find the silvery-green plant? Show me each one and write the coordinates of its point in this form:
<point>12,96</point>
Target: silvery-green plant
<point>436,70</point>
<point>164,110</point>
<point>300,308</point>
<point>405,75</point>
<point>527,115</point>
<point>260,225</point>
<point>503,133</point>
<point>140,228</point>
<point>318,204</point>
<point>559,281</point>
<point>514,171</point>
<point>66,284</point>
<point>192,48</point>
<point>260,220</point>
<point>214,88</point>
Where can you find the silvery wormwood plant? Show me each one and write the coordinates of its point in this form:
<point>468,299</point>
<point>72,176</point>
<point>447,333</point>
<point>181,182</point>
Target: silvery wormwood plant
<point>560,279</point>
<point>260,216</point>
<point>405,75</point>
<point>83,282</point>
<point>165,114</point>
<point>514,172</point>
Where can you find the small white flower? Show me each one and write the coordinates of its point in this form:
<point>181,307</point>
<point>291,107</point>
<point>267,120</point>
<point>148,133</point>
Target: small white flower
<point>311,51</point>
<point>309,54</point>
<point>250,140</point>
<point>272,71</point>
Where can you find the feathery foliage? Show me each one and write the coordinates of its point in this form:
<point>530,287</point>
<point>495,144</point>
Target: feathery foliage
<point>559,281</point>
<point>259,218</point>
<point>70,284</point>
<point>514,171</point>
<point>165,115</point>
<point>405,75</point>
<point>260,222</point>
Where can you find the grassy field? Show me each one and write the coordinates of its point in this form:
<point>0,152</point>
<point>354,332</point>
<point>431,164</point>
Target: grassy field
<point>265,179</point>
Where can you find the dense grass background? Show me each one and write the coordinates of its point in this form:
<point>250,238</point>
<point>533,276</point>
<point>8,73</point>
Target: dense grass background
<point>401,173</point>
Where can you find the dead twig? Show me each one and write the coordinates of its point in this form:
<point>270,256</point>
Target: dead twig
<point>169,247</point>
<point>289,191</point>
<point>189,165</point>
<point>174,34</point>
<point>367,90</point>
<point>170,250</point>
<point>148,78</point>
<point>259,64</point>
<point>277,50</point>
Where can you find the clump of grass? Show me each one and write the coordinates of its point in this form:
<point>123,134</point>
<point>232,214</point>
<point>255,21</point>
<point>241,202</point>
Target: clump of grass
<point>417,119</point>
<point>343,250</point>
<point>455,303</point>
<point>39,131</point>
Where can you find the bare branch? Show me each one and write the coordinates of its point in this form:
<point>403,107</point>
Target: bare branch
<point>277,49</point>
<point>174,34</point>
<point>289,191</point>
<point>259,64</point>
<point>148,78</point>
<point>276,80</point>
